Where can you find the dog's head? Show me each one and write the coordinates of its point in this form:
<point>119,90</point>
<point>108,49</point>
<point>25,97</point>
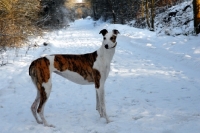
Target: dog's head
<point>109,38</point>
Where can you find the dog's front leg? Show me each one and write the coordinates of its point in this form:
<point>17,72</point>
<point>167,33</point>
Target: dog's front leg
<point>97,102</point>
<point>101,100</point>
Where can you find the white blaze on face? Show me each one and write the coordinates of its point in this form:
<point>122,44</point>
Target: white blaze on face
<point>109,39</point>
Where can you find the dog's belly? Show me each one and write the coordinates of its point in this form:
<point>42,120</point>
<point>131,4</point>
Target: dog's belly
<point>74,77</point>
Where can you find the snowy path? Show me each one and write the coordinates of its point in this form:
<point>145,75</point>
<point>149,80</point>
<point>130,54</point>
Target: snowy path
<point>153,86</point>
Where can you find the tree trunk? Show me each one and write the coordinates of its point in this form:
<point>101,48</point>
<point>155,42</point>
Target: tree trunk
<point>142,9</point>
<point>113,12</point>
<point>152,14</point>
<point>114,16</point>
<point>94,12</point>
<point>147,14</point>
<point>196,11</point>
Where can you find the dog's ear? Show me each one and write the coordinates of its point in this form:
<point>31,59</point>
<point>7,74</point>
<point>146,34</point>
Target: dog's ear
<point>116,32</point>
<point>103,32</point>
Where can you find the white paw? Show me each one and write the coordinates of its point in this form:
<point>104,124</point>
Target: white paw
<point>39,122</point>
<point>49,125</point>
<point>108,121</point>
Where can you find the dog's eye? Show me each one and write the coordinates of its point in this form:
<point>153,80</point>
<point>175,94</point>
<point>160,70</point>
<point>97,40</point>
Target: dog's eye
<point>104,38</point>
<point>111,38</point>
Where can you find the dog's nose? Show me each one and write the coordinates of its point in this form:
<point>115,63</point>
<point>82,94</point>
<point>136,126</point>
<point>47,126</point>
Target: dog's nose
<point>106,46</point>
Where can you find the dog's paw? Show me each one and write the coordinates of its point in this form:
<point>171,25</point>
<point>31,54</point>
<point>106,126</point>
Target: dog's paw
<point>39,122</point>
<point>108,120</point>
<point>49,125</point>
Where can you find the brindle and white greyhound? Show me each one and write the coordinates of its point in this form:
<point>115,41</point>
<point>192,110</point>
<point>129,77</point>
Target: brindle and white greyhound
<point>90,68</point>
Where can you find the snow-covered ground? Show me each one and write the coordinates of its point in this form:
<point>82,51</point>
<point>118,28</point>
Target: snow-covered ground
<point>153,85</point>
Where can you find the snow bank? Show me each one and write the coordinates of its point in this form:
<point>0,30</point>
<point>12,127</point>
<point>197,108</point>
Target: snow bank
<point>176,20</point>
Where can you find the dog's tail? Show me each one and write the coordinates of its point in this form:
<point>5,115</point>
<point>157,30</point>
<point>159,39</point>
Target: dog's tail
<point>31,68</point>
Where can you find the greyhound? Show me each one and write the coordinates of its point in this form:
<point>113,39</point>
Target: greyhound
<point>89,68</point>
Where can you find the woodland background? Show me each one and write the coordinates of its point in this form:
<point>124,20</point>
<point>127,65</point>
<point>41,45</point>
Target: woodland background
<point>20,19</point>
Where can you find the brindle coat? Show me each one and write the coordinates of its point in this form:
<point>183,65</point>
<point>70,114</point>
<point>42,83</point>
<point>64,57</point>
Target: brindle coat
<point>91,68</point>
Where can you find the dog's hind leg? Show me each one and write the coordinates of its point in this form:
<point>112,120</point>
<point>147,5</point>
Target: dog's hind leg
<point>34,108</point>
<point>44,94</point>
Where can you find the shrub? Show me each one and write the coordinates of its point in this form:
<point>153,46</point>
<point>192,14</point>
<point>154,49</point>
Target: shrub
<point>18,20</point>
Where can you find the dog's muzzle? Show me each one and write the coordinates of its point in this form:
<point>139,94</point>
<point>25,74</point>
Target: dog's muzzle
<point>106,46</point>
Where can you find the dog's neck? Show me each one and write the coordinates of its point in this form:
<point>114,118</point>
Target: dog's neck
<point>106,54</point>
